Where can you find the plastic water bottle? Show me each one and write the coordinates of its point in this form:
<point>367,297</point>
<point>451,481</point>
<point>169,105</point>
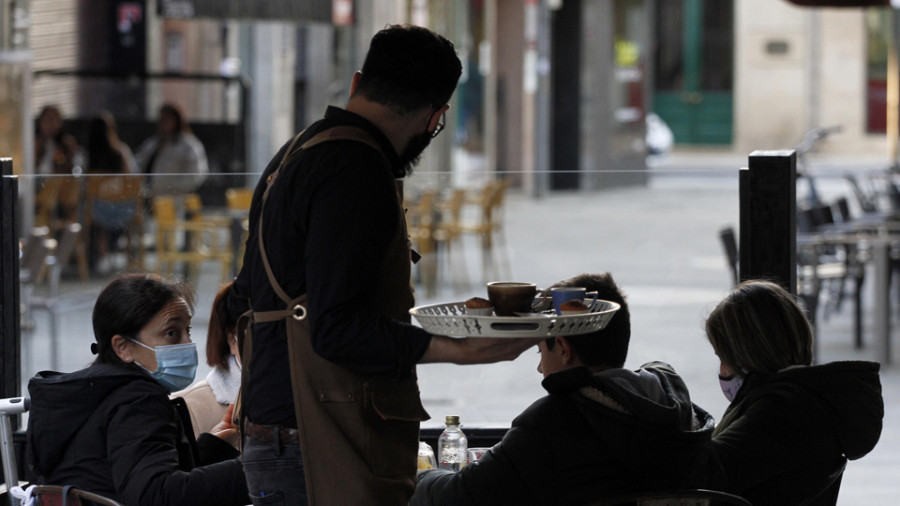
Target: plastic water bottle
<point>452,446</point>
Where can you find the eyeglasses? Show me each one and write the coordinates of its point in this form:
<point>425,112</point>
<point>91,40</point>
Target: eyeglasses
<point>440,125</point>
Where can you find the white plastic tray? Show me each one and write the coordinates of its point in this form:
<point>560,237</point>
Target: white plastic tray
<point>450,319</point>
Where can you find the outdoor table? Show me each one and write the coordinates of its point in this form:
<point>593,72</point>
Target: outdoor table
<point>879,255</point>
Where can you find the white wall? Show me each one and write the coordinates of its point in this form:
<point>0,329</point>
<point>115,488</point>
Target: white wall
<point>819,81</point>
<point>770,89</point>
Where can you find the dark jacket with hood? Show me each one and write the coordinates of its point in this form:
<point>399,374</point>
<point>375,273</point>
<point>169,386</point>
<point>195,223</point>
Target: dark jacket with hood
<point>112,430</point>
<point>594,436</point>
<point>786,434</point>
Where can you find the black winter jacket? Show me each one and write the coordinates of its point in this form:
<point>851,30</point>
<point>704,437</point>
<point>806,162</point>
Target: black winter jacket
<point>594,436</point>
<point>113,431</point>
<point>786,433</point>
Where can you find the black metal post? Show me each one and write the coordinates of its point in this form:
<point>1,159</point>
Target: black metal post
<point>768,201</point>
<point>10,346</point>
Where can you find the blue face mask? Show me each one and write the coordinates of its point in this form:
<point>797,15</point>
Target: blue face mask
<point>176,365</point>
<point>730,385</point>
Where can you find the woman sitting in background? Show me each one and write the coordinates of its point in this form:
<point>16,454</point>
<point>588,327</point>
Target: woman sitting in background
<point>791,426</point>
<point>112,193</point>
<point>208,400</point>
<point>174,157</point>
<point>111,429</point>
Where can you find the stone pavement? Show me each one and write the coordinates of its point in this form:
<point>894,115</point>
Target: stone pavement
<point>661,244</point>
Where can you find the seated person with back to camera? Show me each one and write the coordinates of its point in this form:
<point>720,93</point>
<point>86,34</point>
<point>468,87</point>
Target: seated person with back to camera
<point>791,426</point>
<point>111,429</point>
<point>602,431</point>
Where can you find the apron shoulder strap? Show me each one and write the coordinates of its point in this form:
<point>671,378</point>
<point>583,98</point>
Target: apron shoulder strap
<point>338,133</point>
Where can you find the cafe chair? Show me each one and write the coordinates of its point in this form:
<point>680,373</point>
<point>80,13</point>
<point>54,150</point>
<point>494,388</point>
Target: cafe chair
<point>32,268</point>
<point>421,223</point>
<point>115,203</point>
<point>238,201</point>
<point>34,495</point>
<point>730,247</point>
<point>688,497</point>
<point>866,198</point>
<point>57,201</point>
<point>488,226</point>
<point>56,495</point>
<point>202,235</point>
<point>448,235</point>
<point>55,302</point>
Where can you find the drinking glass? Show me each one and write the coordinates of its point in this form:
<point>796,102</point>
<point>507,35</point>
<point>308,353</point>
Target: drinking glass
<point>476,453</point>
<point>426,457</point>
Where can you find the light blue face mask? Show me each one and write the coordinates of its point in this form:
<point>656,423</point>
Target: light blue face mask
<point>176,365</point>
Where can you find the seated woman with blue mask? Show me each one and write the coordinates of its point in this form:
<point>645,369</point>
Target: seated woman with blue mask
<point>111,429</point>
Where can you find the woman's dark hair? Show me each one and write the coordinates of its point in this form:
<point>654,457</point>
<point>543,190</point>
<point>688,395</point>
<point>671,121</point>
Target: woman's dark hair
<point>126,305</point>
<point>104,151</point>
<point>409,67</point>
<point>760,328</point>
<point>607,347</point>
<point>50,109</point>
<point>181,126</point>
<point>221,323</point>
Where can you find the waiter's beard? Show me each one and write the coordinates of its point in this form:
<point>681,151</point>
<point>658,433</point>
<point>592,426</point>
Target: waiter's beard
<point>410,156</point>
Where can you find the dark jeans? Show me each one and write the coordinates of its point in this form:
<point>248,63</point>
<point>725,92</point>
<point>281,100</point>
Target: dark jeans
<point>274,473</point>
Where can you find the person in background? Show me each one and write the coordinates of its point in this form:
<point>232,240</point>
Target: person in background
<point>111,428</point>
<point>111,192</point>
<point>601,431</point>
<point>58,156</point>
<point>208,400</point>
<point>790,427</point>
<point>174,159</point>
<point>55,150</point>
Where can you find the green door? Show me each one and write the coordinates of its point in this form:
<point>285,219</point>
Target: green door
<point>694,69</point>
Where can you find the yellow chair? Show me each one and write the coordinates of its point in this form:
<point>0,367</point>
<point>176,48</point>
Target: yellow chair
<point>119,191</point>
<point>238,201</point>
<point>448,233</point>
<point>202,237</point>
<point>420,225</point>
<point>488,226</point>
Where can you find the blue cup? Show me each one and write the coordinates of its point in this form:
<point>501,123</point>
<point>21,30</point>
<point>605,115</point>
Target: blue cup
<point>566,293</point>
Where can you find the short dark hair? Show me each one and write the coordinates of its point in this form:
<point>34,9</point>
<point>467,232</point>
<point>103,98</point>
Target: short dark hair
<point>408,68</point>
<point>125,306</point>
<point>760,328</point>
<point>173,110</point>
<point>608,347</point>
<point>221,323</point>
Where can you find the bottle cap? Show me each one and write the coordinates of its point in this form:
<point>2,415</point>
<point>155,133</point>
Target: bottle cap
<point>452,420</point>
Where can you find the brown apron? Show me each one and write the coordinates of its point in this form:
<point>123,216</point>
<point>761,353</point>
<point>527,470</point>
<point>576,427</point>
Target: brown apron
<point>358,433</point>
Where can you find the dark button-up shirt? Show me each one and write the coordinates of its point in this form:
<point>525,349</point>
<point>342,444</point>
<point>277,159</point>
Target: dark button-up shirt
<point>327,225</point>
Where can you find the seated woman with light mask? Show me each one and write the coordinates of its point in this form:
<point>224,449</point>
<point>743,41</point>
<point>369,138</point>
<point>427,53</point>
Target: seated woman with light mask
<point>208,400</point>
<point>791,425</point>
<point>111,429</point>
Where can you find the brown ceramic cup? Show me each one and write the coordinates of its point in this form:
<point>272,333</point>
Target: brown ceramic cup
<point>511,297</point>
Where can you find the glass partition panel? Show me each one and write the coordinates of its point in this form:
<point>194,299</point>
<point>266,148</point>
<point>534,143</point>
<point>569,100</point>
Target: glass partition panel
<point>659,240</point>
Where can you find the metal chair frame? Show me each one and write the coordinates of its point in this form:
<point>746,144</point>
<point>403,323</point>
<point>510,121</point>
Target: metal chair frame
<point>48,495</point>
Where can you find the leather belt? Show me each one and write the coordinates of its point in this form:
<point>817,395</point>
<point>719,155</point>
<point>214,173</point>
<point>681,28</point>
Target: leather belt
<point>256,433</point>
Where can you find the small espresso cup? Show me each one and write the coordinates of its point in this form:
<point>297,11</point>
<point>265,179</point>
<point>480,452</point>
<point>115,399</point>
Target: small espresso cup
<point>511,297</point>
<point>566,293</point>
